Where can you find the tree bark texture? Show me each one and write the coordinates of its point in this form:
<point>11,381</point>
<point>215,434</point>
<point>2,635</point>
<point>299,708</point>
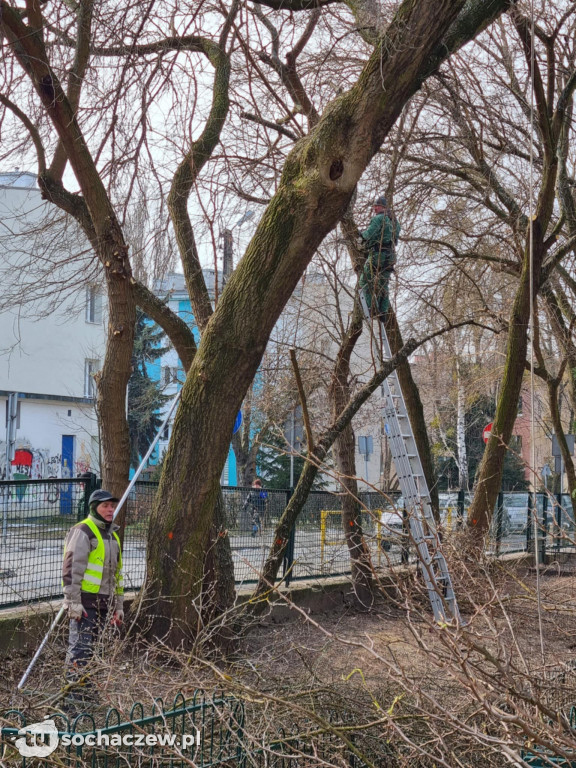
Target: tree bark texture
<point>491,467</point>
<point>345,461</point>
<point>27,45</point>
<point>317,182</point>
<point>415,412</point>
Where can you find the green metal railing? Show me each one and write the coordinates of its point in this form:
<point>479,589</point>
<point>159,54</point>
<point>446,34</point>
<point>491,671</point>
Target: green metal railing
<point>202,731</point>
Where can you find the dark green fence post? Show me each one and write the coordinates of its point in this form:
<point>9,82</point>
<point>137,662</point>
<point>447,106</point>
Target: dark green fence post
<point>558,519</point>
<point>460,508</point>
<point>499,517</point>
<point>90,485</point>
<point>288,559</point>
<point>543,532</point>
<point>530,512</point>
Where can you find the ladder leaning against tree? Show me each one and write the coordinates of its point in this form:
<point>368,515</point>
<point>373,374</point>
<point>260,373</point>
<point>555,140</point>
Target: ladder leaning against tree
<point>414,489</point>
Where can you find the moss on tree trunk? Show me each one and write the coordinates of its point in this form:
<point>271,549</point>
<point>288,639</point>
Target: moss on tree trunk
<point>317,183</point>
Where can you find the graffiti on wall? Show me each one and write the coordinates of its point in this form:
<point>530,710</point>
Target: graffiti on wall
<point>39,464</point>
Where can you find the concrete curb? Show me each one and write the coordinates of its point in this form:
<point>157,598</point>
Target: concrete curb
<point>22,628</point>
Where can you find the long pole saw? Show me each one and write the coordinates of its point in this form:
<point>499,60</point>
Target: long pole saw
<point>131,485</point>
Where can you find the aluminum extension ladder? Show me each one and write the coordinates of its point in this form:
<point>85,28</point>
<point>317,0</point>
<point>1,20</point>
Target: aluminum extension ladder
<point>415,490</point>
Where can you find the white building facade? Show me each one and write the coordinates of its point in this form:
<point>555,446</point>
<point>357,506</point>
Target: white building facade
<point>52,336</point>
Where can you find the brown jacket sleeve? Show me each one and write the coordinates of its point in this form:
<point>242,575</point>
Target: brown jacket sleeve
<point>76,551</point>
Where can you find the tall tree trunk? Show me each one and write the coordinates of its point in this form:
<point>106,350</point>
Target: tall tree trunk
<point>117,367</point>
<point>317,182</point>
<point>345,461</point>
<point>491,467</point>
<point>27,44</point>
<point>415,412</point>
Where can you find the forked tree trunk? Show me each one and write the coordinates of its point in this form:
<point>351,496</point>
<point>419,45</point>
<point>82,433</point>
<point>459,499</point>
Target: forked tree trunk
<point>318,180</point>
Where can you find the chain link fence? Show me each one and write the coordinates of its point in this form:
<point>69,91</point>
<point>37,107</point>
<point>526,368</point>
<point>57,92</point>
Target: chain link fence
<point>35,516</point>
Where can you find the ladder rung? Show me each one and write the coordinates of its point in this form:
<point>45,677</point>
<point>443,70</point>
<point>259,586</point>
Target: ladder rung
<point>413,484</point>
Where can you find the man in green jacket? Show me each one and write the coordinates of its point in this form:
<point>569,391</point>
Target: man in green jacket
<point>380,243</point>
<point>92,580</point>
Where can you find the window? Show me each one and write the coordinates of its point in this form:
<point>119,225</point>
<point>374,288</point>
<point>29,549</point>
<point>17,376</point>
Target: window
<point>93,304</point>
<point>520,404</point>
<point>91,367</point>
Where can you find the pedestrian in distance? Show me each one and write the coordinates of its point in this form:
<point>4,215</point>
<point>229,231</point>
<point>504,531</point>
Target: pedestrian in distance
<point>379,241</point>
<point>255,504</point>
<point>92,582</point>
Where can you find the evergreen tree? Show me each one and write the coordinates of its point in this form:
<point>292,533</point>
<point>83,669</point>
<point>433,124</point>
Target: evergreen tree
<point>273,464</point>
<point>145,398</point>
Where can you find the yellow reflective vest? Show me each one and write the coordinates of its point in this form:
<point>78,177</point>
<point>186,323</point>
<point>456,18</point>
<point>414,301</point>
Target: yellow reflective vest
<point>92,579</point>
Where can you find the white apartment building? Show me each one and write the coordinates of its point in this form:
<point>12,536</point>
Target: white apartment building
<point>52,335</point>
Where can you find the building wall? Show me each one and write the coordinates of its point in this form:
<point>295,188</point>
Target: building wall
<point>44,427</point>
<point>46,334</point>
<point>168,369</point>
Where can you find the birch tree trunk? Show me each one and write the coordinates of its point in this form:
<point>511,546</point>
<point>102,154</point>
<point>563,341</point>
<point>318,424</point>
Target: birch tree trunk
<point>461,431</point>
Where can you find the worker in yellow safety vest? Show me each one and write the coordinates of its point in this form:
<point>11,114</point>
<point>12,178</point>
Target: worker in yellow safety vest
<point>92,580</point>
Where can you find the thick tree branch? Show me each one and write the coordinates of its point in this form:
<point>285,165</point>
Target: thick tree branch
<point>173,326</point>
<point>303,403</point>
<point>186,175</point>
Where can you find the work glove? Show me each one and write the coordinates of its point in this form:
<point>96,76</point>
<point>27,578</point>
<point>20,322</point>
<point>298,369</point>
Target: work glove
<point>118,617</point>
<point>75,610</point>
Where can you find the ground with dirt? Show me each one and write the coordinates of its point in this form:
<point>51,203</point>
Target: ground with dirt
<point>419,694</point>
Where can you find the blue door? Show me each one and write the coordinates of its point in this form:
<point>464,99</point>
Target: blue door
<point>67,470</point>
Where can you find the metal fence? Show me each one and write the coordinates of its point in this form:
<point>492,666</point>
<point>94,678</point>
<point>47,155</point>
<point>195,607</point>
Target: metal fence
<point>36,515</point>
<point>202,731</point>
